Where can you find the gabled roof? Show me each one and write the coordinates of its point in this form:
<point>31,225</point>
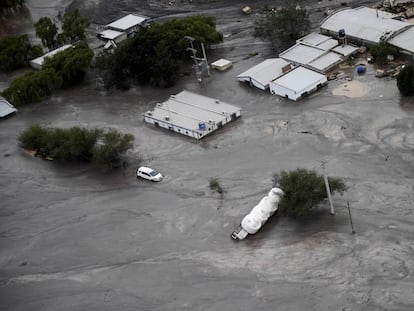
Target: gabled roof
<point>266,71</point>
<point>127,22</point>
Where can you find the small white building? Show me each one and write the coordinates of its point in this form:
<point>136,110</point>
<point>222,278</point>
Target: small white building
<point>222,64</point>
<point>6,108</point>
<point>192,114</point>
<point>37,63</point>
<point>112,35</point>
<point>262,74</point>
<point>297,83</point>
<point>129,24</point>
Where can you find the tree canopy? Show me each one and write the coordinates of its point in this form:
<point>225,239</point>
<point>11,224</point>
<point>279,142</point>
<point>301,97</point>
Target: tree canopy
<point>77,144</point>
<point>15,52</point>
<point>303,190</point>
<point>381,51</point>
<point>155,54</point>
<point>282,27</point>
<point>74,26</point>
<point>8,4</point>
<point>47,31</point>
<point>405,80</point>
<point>63,69</point>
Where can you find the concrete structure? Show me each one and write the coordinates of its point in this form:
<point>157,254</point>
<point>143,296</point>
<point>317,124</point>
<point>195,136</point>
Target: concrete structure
<point>364,26</point>
<point>261,74</point>
<point>129,24</point>
<point>192,114</point>
<point>222,64</point>
<point>37,63</point>
<point>297,83</point>
<point>404,41</point>
<point>6,108</point>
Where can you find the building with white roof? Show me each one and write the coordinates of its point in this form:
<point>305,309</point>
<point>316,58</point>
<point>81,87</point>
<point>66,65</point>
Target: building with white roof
<point>113,35</point>
<point>6,108</point>
<point>192,114</point>
<point>404,41</point>
<point>297,83</point>
<point>129,24</point>
<point>261,74</point>
<point>37,63</point>
<point>222,64</point>
<point>362,25</point>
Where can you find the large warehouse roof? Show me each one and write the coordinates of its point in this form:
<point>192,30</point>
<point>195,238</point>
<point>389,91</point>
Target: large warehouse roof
<point>363,23</point>
<point>404,40</point>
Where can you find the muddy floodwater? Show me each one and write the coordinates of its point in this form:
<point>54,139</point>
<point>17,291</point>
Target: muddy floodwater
<point>73,237</point>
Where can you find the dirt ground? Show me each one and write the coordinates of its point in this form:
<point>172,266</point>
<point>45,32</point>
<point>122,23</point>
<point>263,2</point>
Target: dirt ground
<point>76,238</point>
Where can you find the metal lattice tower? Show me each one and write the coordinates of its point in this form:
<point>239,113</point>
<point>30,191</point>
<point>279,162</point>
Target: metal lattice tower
<point>200,63</point>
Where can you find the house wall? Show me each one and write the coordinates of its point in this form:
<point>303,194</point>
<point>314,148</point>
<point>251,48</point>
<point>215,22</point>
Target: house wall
<point>291,94</point>
<point>178,129</point>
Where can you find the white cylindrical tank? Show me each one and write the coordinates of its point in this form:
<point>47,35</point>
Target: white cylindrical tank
<point>262,211</point>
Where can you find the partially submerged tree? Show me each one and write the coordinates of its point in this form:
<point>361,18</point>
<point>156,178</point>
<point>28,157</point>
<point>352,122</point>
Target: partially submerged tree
<point>304,189</point>
<point>381,51</point>
<point>282,27</point>
<point>405,80</point>
<point>74,26</point>
<point>47,31</point>
<point>77,144</point>
<point>15,52</point>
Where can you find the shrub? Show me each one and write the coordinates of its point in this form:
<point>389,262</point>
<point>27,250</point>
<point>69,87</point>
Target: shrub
<point>15,52</point>
<point>216,186</point>
<point>303,190</point>
<point>405,80</point>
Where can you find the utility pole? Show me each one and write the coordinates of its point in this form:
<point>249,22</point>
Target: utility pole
<point>200,63</point>
<point>328,189</point>
<point>350,218</point>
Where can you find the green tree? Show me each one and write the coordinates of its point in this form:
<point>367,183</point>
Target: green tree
<point>47,31</point>
<point>9,4</point>
<point>74,26</point>
<point>381,51</point>
<point>282,27</point>
<point>405,80</point>
<point>112,145</point>
<point>155,54</point>
<point>15,52</point>
<point>303,190</point>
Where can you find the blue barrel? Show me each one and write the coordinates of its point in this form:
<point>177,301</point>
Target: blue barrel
<point>202,126</point>
<point>361,69</point>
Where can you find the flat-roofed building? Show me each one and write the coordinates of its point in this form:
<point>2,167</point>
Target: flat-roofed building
<point>37,63</point>
<point>297,83</point>
<point>129,24</point>
<point>261,74</point>
<point>112,35</point>
<point>192,114</point>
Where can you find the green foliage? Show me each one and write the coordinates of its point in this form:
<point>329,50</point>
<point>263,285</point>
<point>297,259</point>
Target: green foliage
<point>381,50</point>
<point>15,52</point>
<point>303,190</point>
<point>216,186</point>
<point>70,64</point>
<point>32,87</point>
<point>155,54</point>
<point>282,27</point>
<point>63,69</point>
<point>77,144</point>
<point>113,144</point>
<point>405,80</point>
<point>47,31</point>
<point>74,26</point>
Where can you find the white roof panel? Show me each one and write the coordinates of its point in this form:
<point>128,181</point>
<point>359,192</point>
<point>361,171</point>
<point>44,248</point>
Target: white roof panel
<point>221,62</point>
<point>6,108</point>
<point>127,22</point>
<point>404,40</point>
<point>364,23</point>
<point>110,34</point>
<point>266,71</point>
<point>299,79</point>
<point>345,50</point>
<point>326,61</point>
<point>40,60</point>
<point>301,54</point>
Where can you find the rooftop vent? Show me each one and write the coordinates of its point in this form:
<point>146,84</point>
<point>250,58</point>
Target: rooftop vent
<point>167,118</point>
<point>217,101</point>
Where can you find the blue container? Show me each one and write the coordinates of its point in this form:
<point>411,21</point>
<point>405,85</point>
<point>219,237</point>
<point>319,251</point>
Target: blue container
<point>361,69</point>
<point>202,126</point>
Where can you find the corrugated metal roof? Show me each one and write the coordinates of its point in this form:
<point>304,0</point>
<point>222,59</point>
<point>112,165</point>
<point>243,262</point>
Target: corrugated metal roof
<point>326,61</point>
<point>301,54</point>
<point>299,79</point>
<point>266,71</point>
<point>404,40</point>
<point>110,34</point>
<point>187,109</point>
<point>364,23</point>
<point>6,108</point>
<point>127,22</point>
